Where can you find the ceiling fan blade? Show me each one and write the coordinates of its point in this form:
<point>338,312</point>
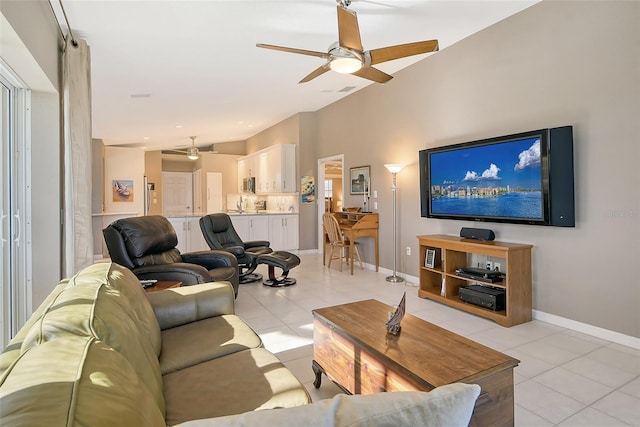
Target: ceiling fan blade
<point>402,50</point>
<point>315,73</point>
<point>294,50</point>
<point>374,74</point>
<point>348,31</point>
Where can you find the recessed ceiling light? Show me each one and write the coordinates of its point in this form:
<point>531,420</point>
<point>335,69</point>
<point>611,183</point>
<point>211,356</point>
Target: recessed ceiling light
<point>249,126</point>
<point>146,138</point>
<point>178,126</point>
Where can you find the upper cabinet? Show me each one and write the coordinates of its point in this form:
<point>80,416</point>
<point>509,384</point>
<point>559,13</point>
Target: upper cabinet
<point>274,169</point>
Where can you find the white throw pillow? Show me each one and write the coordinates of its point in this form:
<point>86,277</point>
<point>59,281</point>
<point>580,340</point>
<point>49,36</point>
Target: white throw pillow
<point>450,405</point>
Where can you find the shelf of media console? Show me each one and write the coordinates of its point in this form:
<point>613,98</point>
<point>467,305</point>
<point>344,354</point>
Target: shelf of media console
<point>455,301</point>
<point>501,284</point>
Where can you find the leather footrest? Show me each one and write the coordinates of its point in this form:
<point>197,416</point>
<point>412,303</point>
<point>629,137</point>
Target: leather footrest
<point>283,260</point>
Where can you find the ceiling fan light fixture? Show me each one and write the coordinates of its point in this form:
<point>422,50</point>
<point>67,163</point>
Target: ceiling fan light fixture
<point>345,65</point>
<point>192,153</point>
<point>345,61</point>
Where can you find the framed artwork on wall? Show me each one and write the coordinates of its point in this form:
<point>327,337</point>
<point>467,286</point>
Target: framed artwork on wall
<point>360,180</point>
<point>122,190</point>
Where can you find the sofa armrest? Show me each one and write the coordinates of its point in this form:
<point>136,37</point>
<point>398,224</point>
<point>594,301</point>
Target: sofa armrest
<point>211,259</point>
<point>179,306</point>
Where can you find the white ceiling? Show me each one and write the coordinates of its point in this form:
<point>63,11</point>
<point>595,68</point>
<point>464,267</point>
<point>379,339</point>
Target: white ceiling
<point>196,65</point>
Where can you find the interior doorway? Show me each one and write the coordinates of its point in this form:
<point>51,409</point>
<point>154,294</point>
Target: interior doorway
<point>177,193</point>
<point>330,189</point>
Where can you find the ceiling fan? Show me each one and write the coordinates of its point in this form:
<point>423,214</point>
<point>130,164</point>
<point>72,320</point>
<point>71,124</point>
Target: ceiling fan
<point>347,55</point>
<point>192,152</point>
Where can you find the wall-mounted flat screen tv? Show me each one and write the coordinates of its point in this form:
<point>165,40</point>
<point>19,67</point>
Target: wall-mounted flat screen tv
<point>524,178</point>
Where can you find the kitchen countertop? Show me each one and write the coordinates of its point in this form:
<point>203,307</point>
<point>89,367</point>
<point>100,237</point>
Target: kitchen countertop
<point>235,213</point>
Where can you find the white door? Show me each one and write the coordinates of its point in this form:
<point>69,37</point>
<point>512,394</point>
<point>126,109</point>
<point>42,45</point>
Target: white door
<point>214,192</point>
<point>177,193</point>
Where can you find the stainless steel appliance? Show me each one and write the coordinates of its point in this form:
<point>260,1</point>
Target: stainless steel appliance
<point>249,185</point>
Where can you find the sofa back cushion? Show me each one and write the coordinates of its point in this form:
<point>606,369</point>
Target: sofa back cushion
<point>75,380</point>
<point>106,301</point>
<point>12,351</point>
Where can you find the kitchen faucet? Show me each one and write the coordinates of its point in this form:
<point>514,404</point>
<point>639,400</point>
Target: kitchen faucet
<point>239,205</point>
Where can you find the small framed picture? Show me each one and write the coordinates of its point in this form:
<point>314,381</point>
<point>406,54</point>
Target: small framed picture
<point>360,180</point>
<point>430,258</point>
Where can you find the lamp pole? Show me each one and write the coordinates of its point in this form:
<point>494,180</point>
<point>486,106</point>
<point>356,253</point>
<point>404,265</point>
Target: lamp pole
<point>394,169</point>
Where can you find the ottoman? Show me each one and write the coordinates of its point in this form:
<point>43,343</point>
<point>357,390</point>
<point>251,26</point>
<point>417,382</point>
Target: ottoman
<point>283,260</point>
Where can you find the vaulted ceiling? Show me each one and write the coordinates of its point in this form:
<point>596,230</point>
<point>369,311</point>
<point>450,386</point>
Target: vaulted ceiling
<point>165,70</point>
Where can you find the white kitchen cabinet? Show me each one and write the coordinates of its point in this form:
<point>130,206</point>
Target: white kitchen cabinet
<point>251,227</point>
<point>273,167</point>
<point>247,168</point>
<point>283,232</point>
<point>190,238</point>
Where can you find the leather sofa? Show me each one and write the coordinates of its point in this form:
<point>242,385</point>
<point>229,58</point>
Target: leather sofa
<point>100,351</point>
<point>147,246</point>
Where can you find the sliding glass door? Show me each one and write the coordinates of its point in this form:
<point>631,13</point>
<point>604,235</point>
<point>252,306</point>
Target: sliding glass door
<point>5,209</point>
<point>15,212</point>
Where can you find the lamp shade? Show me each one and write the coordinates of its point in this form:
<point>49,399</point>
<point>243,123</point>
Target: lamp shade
<point>393,168</point>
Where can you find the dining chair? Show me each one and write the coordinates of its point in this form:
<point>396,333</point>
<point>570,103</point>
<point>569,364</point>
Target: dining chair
<point>337,241</point>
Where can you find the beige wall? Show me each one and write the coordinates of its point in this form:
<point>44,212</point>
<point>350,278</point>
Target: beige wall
<point>153,172</point>
<point>556,63</point>
<point>124,164</point>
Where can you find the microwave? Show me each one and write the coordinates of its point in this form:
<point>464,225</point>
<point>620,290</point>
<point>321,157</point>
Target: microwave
<point>249,185</point>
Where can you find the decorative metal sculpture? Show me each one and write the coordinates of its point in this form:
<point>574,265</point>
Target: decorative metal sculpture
<point>393,324</point>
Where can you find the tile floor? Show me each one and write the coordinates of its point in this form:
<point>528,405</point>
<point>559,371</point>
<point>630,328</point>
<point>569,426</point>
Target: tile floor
<point>565,378</point>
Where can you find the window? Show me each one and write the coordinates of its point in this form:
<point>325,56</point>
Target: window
<point>328,188</point>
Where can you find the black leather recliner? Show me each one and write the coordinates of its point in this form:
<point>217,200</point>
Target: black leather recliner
<point>219,234</point>
<point>147,246</point>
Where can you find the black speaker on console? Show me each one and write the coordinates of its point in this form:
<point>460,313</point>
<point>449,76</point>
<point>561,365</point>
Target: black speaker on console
<point>477,233</point>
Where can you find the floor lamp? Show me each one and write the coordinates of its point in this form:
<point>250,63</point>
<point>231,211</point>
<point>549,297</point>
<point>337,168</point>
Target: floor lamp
<point>394,169</point>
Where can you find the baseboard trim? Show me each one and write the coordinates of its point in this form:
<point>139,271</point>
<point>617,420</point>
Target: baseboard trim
<point>595,331</point>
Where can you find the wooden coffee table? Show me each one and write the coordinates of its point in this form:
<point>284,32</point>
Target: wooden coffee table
<point>162,285</point>
<point>352,347</point>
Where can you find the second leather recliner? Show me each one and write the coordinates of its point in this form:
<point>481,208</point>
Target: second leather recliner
<point>219,234</point>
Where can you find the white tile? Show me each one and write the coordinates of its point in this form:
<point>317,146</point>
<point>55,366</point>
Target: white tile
<point>545,402</point>
<point>632,388</point>
<point>571,343</point>
<point>547,353</point>
<point>621,406</point>
<point>598,371</point>
<point>263,322</point>
<point>571,384</point>
<point>617,357</point>
<point>590,417</point>
<point>525,418</point>
<point>529,366</point>
<point>301,368</point>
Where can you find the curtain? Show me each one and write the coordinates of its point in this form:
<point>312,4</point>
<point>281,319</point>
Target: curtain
<point>76,81</point>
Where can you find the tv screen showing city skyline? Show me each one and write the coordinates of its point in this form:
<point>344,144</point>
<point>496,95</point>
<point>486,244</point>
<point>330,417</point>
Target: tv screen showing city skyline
<point>501,180</point>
